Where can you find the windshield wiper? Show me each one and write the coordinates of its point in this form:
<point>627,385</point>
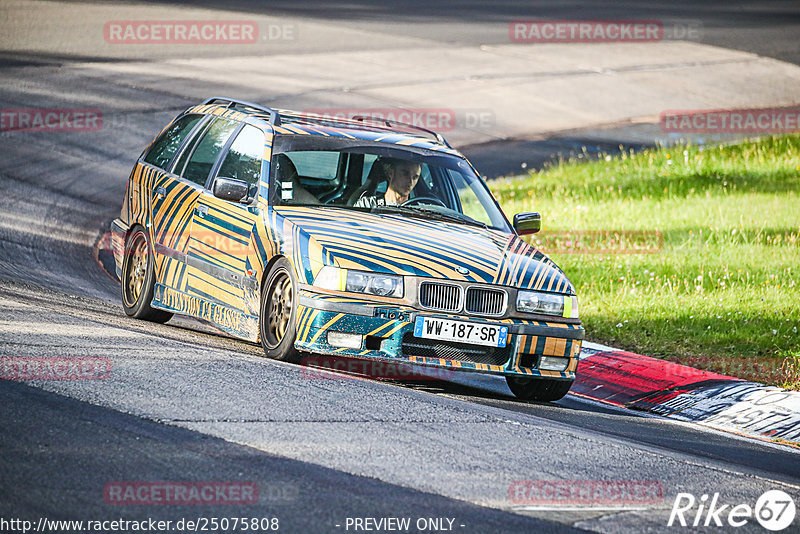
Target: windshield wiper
<point>425,213</point>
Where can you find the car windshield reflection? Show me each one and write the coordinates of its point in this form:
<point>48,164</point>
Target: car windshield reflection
<point>363,177</point>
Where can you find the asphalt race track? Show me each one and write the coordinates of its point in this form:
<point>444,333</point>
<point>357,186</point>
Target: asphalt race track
<point>184,403</point>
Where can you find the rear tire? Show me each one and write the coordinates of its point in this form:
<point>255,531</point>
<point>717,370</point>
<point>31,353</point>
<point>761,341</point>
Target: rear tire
<point>538,389</point>
<point>138,279</point>
<point>278,318</point>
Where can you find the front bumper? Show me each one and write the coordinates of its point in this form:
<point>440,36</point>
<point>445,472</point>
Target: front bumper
<point>388,334</point>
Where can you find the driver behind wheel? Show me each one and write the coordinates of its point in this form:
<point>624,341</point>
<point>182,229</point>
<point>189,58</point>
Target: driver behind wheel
<point>402,175</point>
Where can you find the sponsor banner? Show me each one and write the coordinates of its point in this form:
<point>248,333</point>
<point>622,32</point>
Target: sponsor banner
<point>585,493</point>
<point>176,301</point>
<point>731,121</point>
<point>50,120</point>
<point>54,368</point>
<point>744,407</point>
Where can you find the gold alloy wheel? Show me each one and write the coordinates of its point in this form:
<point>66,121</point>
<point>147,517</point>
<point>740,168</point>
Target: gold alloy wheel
<point>137,270</point>
<point>280,307</point>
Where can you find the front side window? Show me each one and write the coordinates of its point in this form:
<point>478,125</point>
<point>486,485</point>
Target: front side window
<point>205,152</point>
<point>473,199</point>
<point>168,143</point>
<point>243,161</point>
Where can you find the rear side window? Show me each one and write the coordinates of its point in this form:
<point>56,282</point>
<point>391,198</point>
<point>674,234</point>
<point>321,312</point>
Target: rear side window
<point>369,159</point>
<point>206,151</point>
<point>316,164</point>
<point>243,161</point>
<point>168,143</point>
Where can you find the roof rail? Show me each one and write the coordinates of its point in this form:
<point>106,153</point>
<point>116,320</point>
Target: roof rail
<point>317,118</point>
<point>274,116</point>
<point>389,122</point>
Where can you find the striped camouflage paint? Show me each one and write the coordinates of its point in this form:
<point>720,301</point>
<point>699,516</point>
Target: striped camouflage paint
<point>398,245</point>
<point>314,324</point>
<point>167,216</point>
<point>211,257</point>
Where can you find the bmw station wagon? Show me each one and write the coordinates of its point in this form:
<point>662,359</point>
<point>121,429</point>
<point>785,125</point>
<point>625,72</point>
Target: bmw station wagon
<point>363,238</point>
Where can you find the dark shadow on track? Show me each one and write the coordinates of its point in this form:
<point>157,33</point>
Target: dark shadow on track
<point>64,452</point>
<point>580,413</point>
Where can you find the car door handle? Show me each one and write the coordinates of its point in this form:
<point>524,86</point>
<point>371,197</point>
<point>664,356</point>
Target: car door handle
<point>160,192</point>
<point>201,211</point>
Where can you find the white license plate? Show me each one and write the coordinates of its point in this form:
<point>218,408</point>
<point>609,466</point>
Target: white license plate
<point>461,331</point>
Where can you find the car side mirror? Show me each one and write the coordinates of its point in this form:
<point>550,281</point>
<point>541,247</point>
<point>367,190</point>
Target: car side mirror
<point>230,189</point>
<point>527,223</point>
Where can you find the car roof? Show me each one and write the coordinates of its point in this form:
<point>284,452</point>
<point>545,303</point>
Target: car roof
<point>289,122</point>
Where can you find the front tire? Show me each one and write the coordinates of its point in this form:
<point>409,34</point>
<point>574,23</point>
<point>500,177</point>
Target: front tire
<point>138,279</point>
<point>538,389</point>
<point>278,318</point>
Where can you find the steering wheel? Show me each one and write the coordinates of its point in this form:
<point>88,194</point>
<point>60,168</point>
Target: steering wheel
<point>419,200</point>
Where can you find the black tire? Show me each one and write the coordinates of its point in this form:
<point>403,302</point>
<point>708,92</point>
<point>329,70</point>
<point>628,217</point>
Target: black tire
<point>538,389</point>
<point>138,278</point>
<point>278,317</point>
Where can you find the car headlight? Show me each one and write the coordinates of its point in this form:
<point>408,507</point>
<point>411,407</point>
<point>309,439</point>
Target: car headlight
<point>547,303</point>
<point>382,285</point>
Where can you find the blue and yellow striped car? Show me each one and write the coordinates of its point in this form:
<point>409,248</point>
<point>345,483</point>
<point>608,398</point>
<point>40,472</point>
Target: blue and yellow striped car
<point>361,238</point>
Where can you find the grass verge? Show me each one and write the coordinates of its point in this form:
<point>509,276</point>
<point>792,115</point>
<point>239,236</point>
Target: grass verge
<point>686,253</point>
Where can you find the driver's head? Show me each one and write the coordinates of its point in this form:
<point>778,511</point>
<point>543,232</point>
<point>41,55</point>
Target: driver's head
<point>403,175</point>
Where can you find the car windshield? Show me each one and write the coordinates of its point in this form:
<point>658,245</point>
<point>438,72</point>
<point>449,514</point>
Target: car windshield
<point>365,176</point>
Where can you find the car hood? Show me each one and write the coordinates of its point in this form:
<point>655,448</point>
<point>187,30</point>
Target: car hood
<point>398,244</point>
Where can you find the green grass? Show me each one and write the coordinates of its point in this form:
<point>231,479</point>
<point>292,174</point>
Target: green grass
<point>687,253</point>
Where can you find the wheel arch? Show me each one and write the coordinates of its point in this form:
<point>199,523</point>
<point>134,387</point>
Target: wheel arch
<point>268,267</point>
